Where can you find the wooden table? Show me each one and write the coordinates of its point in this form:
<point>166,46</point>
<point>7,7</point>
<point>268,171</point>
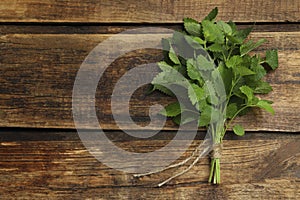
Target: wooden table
<point>43,44</point>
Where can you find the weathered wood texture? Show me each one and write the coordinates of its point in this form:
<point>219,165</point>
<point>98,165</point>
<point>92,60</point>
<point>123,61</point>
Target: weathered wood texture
<point>107,28</point>
<point>55,165</point>
<point>43,44</point>
<point>150,11</point>
<point>38,73</point>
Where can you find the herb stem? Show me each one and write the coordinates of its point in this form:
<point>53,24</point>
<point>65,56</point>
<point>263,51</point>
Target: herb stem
<point>205,47</point>
<point>262,62</point>
<point>230,52</point>
<point>231,120</point>
<point>212,166</point>
<point>231,89</point>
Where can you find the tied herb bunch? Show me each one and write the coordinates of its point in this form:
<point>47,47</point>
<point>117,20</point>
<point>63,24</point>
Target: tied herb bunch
<point>229,58</point>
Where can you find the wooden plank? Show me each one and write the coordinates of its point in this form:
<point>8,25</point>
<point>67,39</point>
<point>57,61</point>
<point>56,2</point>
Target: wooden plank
<point>151,11</point>
<point>38,73</point>
<point>44,28</point>
<point>49,164</point>
<point>250,191</point>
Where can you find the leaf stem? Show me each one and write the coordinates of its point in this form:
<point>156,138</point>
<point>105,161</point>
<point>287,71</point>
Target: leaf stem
<point>230,52</point>
<point>205,47</point>
<point>212,166</point>
<point>231,120</point>
<point>262,62</point>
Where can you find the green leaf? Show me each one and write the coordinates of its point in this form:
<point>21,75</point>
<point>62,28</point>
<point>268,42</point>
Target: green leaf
<point>256,67</point>
<point>266,105</point>
<point>169,76</point>
<point>192,26</point>
<point>248,92</point>
<point>164,65</point>
<point>238,37</point>
<point>185,117</point>
<point>212,32</point>
<point>199,40</point>
<point>204,118</point>
<point>181,69</point>
<point>249,46</point>
<point>202,104</point>
<point>215,48</point>
<point>185,120</point>
<point>177,119</point>
<point>244,33</point>
<point>240,103</point>
<point>193,72</point>
<point>262,87</point>
<point>234,39</point>
<point>234,61</point>
<point>209,115</point>
<point>204,64</point>
<point>231,110</point>
<point>166,48</point>
<point>239,130</point>
<point>272,58</point>
<point>162,89</point>
<point>227,76</point>
<point>195,93</point>
<point>171,110</point>
<point>218,85</point>
<point>194,42</point>
<point>211,93</point>
<point>165,44</point>
<point>243,71</point>
<point>173,56</point>
<point>232,26</point>
<point>177,39</point>
<point>212,15</point>
<point>225,27</point>
<point>213,99</point>
<point>182,47</point>
<point>218,56</point>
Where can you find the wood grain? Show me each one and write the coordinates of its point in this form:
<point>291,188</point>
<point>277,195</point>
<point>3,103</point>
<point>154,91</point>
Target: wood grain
<point>46,28</point>
<point>38,73</point>
<point>150,11</point>
<point>43,44</point>
<point>250,191</point>
<point>54,165</point>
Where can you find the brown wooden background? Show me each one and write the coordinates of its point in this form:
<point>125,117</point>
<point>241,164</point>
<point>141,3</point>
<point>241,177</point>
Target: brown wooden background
<point>42,46</point>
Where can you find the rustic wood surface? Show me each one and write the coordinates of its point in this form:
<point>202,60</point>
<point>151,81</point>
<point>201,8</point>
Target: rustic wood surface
<point>42,45</point>
<point>51,164</point>
<point>150,11</point>
<point>109,28</point>
<point>42,93</point>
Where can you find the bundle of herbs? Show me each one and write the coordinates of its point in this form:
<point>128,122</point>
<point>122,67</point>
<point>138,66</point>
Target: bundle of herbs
<point>228,57</point>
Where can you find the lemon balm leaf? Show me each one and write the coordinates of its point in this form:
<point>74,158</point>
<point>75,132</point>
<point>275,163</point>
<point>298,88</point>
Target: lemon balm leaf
<point>212,15</point>
<point>250,45</point>
<point>171,110</point>
<point>192,26</point>
<point>272,58</point>
<point>239,130</point>
<point>266,106</point>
